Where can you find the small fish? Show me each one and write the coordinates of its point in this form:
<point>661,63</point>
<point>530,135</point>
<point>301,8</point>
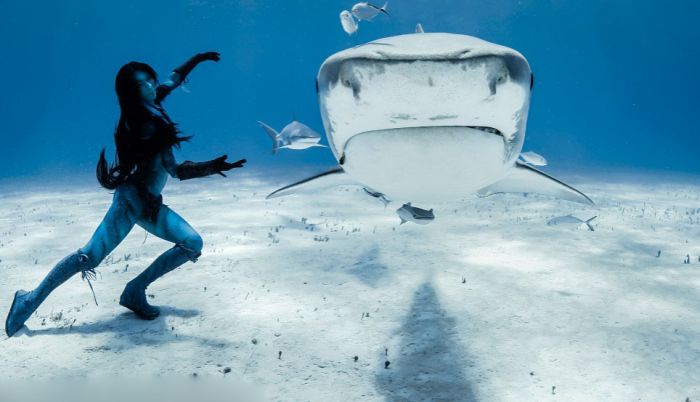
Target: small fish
<point>419,28</point>
<point>348,22</point>
<point>294,135</point>
<point>533,159</point>
<point>571,220</point>
<point>366,11</point>
<point>381,197</point>
<point>414,214</point>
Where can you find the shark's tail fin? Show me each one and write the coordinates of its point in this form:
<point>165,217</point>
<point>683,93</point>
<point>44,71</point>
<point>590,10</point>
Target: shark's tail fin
<point>274,135</point>
<point>588,223</point>
<point>384,7</point>
<point>419,28</point>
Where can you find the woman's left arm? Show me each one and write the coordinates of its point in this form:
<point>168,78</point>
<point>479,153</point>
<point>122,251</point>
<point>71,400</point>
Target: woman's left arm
<point>180,74</point>
<point>190,170</point>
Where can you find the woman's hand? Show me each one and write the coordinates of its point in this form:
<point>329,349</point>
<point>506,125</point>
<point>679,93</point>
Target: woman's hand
<point>221,165</point>
<point>213,56</point>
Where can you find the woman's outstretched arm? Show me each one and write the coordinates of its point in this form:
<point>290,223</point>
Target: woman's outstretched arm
<point>190,170</point>
<point>180,74</point>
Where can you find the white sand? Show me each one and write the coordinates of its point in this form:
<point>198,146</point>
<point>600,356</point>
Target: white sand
<point>595,314</point>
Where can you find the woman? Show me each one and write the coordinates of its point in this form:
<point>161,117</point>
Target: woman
<point>144,140</point>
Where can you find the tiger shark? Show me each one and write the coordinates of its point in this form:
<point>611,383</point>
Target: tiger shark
<point>428,117</point>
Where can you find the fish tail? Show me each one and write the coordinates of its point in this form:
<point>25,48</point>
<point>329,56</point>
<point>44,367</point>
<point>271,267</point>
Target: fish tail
<point>384,7</point>
<point>588,223</point>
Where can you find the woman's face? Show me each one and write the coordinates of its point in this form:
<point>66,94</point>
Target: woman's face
<point>147,86</point>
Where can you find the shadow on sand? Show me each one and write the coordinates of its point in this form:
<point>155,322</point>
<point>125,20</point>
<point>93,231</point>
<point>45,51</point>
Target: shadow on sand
<point>127,330</point>
<point>368,269</point>
<point>431,362</point>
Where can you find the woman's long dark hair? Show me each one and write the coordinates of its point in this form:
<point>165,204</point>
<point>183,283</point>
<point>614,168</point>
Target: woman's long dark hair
<point>131,148</point>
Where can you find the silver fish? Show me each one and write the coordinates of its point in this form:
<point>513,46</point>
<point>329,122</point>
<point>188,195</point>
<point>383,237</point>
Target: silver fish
<point>533,159</point>
<point>365,11</point>
<point>571,220</point>
<point>348,22</point>
<point>414,214</point>
<point>381,197</point>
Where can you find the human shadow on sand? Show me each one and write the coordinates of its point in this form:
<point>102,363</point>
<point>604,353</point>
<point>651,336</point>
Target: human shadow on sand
<point>128,330</point>
<point>430,363</point>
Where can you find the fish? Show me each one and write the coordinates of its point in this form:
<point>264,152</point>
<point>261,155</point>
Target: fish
<point>348,22</point>
<point>419,28</point>
<point>294,135</point>
<point>457,137</point>
<point>571,220</point>
<point>365,11</point>
<point>533,158</point>
<point>378,196</point>
<point>409,213</point>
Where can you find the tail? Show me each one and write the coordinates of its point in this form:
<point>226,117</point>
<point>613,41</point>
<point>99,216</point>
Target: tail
<point>274,135</point>
<point>402,221</point>
<point>588,223</point>
<point>384,7</point>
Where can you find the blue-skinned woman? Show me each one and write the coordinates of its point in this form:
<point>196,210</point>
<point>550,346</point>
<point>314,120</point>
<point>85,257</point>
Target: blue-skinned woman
<point>144,139</point>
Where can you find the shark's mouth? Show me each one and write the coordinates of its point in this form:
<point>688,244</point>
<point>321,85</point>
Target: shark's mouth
<point>489,130</point>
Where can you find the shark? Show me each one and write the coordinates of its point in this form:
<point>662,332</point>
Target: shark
<point>428,117</point>
<point>294,135</point>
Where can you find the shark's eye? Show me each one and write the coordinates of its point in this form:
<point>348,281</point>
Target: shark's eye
<point>532,81</point>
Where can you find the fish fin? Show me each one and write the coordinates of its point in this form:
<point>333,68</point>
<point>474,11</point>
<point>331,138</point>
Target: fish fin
<point>524,178</point>
<point>419,28</point>
<point>384,7</point>
<point>402,221</point>
<point>274,135</point>
<point>320,145</point>
<point>331,178</point>
<point>588,223</point>
<point>524,157</point>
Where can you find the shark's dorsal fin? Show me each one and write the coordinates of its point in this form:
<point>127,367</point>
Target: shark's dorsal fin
<point>526,179</point>
<point>331,178</point>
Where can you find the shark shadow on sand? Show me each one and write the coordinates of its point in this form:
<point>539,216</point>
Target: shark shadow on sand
<point>430,362</point>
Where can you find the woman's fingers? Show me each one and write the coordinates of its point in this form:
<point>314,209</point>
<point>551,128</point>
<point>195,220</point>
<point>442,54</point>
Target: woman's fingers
<point>214,56</point>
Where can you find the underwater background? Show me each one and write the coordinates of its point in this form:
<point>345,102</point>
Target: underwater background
<point>616,83</point>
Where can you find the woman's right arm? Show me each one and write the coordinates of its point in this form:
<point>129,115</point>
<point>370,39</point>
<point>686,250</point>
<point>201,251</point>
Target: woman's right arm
<point>180,74</point>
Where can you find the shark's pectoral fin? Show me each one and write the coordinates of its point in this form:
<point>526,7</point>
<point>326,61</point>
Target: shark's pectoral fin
<point>526,179</point>
<point>331,178</point>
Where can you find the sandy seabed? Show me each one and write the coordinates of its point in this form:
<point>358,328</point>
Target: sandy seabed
<point>306,298</point>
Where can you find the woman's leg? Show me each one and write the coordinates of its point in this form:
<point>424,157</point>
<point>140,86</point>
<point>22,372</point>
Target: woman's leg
<point>117,223</point>
<point>188,247</point>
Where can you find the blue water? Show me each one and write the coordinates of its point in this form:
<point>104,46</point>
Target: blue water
<point>616,82</point>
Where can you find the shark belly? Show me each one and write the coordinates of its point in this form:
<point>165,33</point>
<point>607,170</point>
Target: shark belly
<point>426,164</point>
